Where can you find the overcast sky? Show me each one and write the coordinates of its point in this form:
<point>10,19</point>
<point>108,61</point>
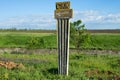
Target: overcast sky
<point>38,14</point>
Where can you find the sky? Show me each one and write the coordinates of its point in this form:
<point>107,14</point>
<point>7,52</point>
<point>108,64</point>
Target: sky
<point>39,14</point>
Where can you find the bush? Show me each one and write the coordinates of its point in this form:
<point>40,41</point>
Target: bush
<point>79,36</point>
<point>36,42</point>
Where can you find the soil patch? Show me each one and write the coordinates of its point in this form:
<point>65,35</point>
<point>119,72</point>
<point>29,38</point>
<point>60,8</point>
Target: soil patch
<point>11,65</point>
<point>110,75</point>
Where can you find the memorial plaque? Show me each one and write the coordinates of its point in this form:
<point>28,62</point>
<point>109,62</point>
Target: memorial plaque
<point>67,13</point>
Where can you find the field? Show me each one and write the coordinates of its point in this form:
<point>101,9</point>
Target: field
<point>100,41</point>
<point>105,41</point>
<point>44,67</point>
<point>34,66</point>
<point>22,39</point>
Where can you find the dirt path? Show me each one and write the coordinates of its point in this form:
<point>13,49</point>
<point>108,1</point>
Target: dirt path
<point>51,51</point>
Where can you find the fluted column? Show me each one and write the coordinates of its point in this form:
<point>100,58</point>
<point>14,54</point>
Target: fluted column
<point>63,46</point>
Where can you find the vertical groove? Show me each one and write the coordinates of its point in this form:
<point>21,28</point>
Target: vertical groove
<point>58,22</point>
<point>59,45</point>
<point>68,31</point>
<point>63,46</point>
<point>65,52</point>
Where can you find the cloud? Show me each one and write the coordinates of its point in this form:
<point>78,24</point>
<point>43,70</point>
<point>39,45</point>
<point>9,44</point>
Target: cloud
<point>97,17</point>
<point>86,16</point>
<point>98,20</point>
<point>92,19</point>
<point>30,22</point>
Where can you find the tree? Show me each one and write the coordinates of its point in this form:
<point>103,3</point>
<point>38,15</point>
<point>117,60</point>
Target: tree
<point>79,36</point>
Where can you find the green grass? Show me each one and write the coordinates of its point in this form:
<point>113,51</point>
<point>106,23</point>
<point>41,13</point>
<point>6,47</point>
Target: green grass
<point>25,34</point>
<point>105,41</point>
<point>26,40</point>
<point>44,67</point>
<point>18,39</point>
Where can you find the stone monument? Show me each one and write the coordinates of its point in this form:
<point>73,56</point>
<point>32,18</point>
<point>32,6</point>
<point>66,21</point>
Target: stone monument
<point>63,13</point>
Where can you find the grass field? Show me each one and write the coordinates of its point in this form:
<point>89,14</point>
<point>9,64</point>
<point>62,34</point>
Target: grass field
<point>21,39</point>
<point>44,67</point>
<point>105,41</point>
<point>49,40</point>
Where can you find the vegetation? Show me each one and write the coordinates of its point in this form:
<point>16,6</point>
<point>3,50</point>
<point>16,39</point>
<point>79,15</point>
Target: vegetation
<point>54,31</point>
<point>49,40</point>
<point>105,41</point>
<point>42,42</point>
<point>27,30</point>
<point>44,67</point>
<point>27,40</point>
<point>80,38</point>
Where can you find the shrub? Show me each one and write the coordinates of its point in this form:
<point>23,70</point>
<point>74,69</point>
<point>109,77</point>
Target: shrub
<point>79,36</point>
<point>36,42</point>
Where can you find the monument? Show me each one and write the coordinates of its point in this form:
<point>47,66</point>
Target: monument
<point>63,13</point>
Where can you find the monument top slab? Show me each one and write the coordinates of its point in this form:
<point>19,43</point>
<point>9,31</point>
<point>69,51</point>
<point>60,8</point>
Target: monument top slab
<point>62,5</point>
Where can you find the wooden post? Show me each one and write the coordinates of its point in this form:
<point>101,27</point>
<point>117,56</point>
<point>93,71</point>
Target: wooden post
<point>63,13</point>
